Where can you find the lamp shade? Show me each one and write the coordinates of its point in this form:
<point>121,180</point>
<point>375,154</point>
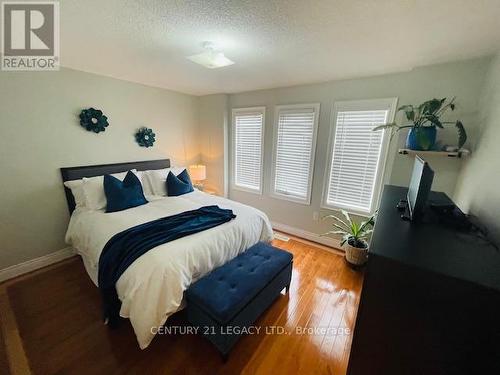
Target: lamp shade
<point>198,172</point>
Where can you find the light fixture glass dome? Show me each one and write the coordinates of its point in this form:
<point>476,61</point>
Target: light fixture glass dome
<point>212,58</point>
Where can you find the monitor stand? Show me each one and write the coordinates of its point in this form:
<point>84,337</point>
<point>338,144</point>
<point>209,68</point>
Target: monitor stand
<point>402,206</point>
<point>406,215</point>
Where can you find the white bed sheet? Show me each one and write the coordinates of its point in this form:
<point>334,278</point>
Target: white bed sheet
<point>152,288</point>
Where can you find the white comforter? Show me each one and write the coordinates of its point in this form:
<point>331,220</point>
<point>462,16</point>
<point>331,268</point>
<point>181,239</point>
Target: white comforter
<point>152,288</point>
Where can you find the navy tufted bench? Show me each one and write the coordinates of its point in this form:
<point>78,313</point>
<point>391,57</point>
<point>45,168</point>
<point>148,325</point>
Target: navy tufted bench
<point>233,296</point>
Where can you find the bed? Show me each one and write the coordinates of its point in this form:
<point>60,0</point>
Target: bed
<point>152,288</point>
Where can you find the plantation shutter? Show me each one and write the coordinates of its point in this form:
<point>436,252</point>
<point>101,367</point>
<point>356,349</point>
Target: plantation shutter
<point>356,159</point>
<point>296,129</point>
<point>248,128</point>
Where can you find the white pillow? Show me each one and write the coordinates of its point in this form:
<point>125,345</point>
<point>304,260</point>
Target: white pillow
<point>93,189</point>
<point>156,179</point>
<point>146,186</point>
<point>76,187</point>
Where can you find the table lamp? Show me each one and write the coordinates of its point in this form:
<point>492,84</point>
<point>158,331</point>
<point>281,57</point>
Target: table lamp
<point>198,173</point>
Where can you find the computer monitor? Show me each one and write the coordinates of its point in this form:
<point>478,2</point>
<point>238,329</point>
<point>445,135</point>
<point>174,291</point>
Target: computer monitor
<point>419,188</point>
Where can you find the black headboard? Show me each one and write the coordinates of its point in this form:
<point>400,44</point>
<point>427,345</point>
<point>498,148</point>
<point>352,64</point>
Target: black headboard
<point>75,173</point>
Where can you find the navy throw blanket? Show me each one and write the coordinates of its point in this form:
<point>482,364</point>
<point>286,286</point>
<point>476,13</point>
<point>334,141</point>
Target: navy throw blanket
<point>125,247</point>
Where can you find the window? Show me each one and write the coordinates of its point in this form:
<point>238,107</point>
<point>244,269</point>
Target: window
<point>357,155</point>
<point>294,148</point>
<point>248,137</point>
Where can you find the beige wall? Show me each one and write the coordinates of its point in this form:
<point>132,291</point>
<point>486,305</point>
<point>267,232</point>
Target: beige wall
<point>40,133</point>
<point>213,122</point>
<point>478,187</point>
<point>463,79</point>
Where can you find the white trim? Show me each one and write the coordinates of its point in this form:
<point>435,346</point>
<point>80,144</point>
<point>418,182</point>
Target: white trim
<point>327,241</point>
<point>34,264</point>
<point>247,190</point>
<point>226,150</point>
<point>261,109</point>
<point>290,198</point>
<point>362,105</point>
<point>384,153</point>
<point>316,108</point>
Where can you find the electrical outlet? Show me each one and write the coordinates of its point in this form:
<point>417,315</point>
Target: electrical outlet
<point>315,215</point>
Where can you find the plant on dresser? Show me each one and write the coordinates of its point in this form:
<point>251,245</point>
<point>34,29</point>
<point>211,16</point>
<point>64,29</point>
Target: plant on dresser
<point>354,236</point>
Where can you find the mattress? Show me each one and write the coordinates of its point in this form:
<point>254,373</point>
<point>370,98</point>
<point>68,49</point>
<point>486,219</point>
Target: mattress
<point>152,288</point>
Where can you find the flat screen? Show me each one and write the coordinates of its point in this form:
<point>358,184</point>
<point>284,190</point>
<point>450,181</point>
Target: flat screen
<point>419,188</point>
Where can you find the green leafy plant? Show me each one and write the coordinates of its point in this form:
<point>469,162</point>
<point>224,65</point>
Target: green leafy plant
<point>427,114</point>
<point>352,232</point>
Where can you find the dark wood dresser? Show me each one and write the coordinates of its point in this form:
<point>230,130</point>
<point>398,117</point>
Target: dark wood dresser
<point>430,302</point>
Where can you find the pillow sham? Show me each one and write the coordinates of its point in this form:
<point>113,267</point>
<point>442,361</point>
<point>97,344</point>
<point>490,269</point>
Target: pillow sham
<point>179,185</point>
<point>93,189</point>
<point>155,180</point>
<point>121,195</point>
<point>76,187</point>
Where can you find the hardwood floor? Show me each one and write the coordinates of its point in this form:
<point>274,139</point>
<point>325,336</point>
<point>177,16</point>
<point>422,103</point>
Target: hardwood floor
<point>58,317</point>
<point>4,365</point>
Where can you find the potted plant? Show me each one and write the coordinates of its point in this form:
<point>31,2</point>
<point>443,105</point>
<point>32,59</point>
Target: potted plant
<point>354,236</point>
<point>423,121</point>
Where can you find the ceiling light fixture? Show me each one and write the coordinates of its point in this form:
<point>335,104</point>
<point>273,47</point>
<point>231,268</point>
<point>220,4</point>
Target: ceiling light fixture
<point>212,57</point>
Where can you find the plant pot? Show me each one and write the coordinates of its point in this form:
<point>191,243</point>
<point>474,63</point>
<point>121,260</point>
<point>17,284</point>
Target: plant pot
<point>422,138</point>
<point>355,255</point>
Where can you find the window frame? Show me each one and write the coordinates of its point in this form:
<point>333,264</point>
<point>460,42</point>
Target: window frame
<point>234,113</point>
<point>389,104</point>
<point>277,109</point>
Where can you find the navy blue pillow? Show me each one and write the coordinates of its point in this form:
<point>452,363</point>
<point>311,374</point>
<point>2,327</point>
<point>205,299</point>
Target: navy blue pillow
<point>121,195</point>
<point>178,185</point>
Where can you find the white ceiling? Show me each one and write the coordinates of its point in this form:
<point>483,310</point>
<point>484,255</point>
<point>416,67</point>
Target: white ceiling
<point>274,43</point>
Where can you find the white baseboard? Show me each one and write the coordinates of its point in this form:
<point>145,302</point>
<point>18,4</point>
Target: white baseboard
<point>327,241</point>
<point>34,264</point>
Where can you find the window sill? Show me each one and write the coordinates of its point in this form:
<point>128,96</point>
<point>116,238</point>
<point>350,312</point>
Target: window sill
<point>349,210</point>
<point>246,190</point>
<point>305,202</point>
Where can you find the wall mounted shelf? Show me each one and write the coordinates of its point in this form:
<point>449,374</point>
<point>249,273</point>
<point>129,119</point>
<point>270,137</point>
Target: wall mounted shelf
<point>455,154</point>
